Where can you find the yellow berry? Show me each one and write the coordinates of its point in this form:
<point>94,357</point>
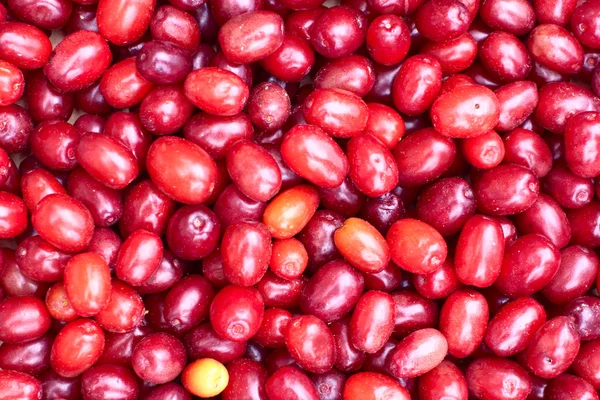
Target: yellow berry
<point>205,377</point>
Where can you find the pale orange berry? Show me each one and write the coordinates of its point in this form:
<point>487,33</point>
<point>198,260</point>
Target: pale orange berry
<point>205,377</point>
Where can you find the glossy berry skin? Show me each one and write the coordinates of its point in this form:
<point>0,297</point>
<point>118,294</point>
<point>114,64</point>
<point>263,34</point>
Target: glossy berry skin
<point>546,218</point>
<point>463,321</point>
<point>232,206</point>
<point>383,211</point>
<point>104,204</point>
<point>444,381</point>
<point>246,252</point>
<point>388,39</point>
<point>529,264</point>
<point>442,20</point>
<point>24,45</point>
<point>77,347</point>
<point>289,258</point>
<point>511,329</point>
<point>362,245</point>
<point>344,199</point>
<point>236,313</point>
<point>37,184</point>
<point>565,385</point>
<point>14,211</point>
<point>454,55</point>
<point>14,283</point>
<point>385,124</point>
<point>372,166</point>
<point>464,112</point>
<point>253,170</point>
<point>216,91</point>
<point>158,358</point>
<point>128,129</point>
<point>63,222</point>
<point>12,83</point>
<point>336,111</point>
<point>58,304</point>
<point>338,32</point>
<point>415,246</point>
<point>123,86</point>
<point>347,358</point>
<point>193,232</point>
<point>423,156</point>
<point>514,16</point>
<point>18,385</point>
<point>505,190</point>
<point>289,383</point>
<point>332,292</point>
<point>272,330</point>
<point>109,380</point>
<point>46,15</point>
<point>310,342</point>
<point>581,144</point>
<point>62,137</point>
<point>175,390</point>
<point>553,348</point>
<point>124,311</point>
<point>557,13</point>
<point>437,284</point>
<point>417,354</point>
<point>216,134</point>
<point>187,303</point>
<point>575,275</point>
<point>202,342</point>
<point>189,178</point>
<point>559,101</point>
<point>56,385</point>
<point>31,357</point>
<point>165,110</point>
<point>312,154</point>
<point>517,100</point>
<point>163,62</point>
<point>372,321</point>
<point>41,261</point>
<point>371,385</point>
<point>505,58</point>
<point>567,54</point>
<point>583,220</point>
<point>417,84</point>
<point>251,37</point>
<point>446,205</point>
<point>78,61</point>
<point>353,73</point>
<point>357,201</point>
<point>479,252</point>
<point>526,148</point>
<point>279,292</point>
<point>269,106</point>
<point>123,31</point>
<point>289,212</point>
<point>107,160</point>
<point>23,319</point>
<point>487,378</point>
<point>17,126</point>
<point>146,207</point>
<point>292,61</point>
<point>586,364</point>
<point>87,283</point>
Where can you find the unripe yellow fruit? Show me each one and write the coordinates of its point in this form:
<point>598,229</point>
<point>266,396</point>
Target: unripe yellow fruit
<point>205,377</point>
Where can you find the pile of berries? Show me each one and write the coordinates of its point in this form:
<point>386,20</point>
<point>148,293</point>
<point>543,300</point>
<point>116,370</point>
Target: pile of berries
<point>290,200</point>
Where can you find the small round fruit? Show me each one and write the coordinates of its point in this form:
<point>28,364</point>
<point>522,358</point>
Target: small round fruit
<point>205,378</point>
